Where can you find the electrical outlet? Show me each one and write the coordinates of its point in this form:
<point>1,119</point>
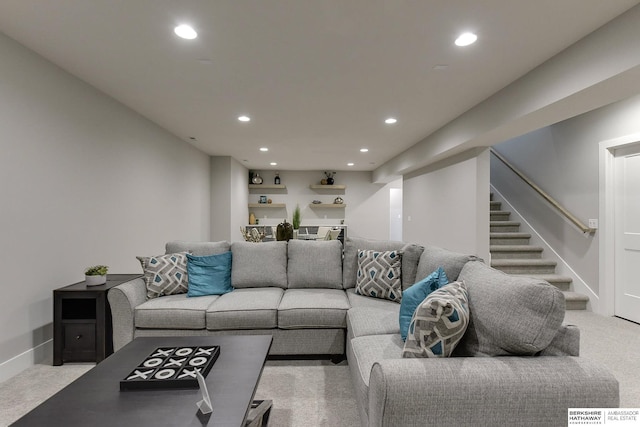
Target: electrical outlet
<point>593,223</point>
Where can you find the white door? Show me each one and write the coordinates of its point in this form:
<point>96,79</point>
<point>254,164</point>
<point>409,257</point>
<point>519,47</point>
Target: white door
<point>627,233</point>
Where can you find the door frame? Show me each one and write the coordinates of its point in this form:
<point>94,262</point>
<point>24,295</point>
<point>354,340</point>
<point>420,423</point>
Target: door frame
<point>607,219</point>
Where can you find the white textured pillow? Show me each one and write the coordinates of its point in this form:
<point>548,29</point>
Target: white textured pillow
<point>165,274</point>
<point>439,323</point>
<point>380,274</point>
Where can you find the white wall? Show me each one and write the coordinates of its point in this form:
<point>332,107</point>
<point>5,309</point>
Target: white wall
<point>367,204</point>
<point>599,69</point>
<point>447,204</point>
<point>563,160</point>
<point>83,181</point>
<point>229,198</point>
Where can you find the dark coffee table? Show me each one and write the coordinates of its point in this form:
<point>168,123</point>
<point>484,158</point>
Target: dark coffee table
<point>95,398</point>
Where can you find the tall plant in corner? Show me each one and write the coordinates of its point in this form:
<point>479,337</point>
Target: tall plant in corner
<point>295,221</point>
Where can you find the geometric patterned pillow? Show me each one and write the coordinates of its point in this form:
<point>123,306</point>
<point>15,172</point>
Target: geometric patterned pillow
<point>438,323</point>
<point>165,274</point>
<point>380,274</point>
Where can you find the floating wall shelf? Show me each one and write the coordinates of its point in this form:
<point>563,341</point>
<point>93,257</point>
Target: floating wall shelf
<point>328,187</point>
<point>328,205</point>
<point>268,205</point>
<point>267,187</point>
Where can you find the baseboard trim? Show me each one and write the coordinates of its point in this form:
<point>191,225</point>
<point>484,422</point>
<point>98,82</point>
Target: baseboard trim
<point>41,353</point>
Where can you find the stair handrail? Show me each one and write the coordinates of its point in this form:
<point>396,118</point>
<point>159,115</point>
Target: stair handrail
<point>547,197</point>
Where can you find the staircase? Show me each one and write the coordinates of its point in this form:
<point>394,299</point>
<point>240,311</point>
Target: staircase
<point>512,253</point>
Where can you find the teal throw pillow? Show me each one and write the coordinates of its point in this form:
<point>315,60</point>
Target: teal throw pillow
<point>209,275</point>
<point>416,293</point>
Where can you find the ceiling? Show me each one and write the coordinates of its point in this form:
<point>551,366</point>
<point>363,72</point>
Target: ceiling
<point>317,78</point>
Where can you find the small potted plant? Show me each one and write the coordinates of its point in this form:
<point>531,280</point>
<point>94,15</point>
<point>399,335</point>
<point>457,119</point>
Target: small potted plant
<point>295,221</point>
<point>96,275</point>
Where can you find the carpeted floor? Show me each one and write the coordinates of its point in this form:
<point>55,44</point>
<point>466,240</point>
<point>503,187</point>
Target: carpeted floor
<point>319,393</point>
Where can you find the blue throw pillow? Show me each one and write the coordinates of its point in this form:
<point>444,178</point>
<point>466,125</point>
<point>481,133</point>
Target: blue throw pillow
<point>209,275</point>
<point>412,297</point>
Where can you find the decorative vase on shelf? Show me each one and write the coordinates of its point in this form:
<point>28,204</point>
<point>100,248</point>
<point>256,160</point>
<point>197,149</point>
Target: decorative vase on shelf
<point>276,180</point>
<point>252,219</point>
<point>329,176</point>
<point>257,179</point>
<point>284,231</point>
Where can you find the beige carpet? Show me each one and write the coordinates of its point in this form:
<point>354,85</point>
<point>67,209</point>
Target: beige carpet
<point>319,393</point>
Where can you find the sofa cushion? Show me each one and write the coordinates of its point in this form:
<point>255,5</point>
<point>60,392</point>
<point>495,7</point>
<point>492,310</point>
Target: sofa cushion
<point>367,350</point>
<point>209,275</point>
<point>173,312</point>
<point>509,315</point>
<point>356,300</point>
<point>313,308</point>
<point>197,248</point>
<point>165,274</point>
<point>415,294</point>
<point>565,343</point>
<point>254,308</point>
<point>380,274</point>
<point>433,257</point>
<point>438,323</point>
<point>410,256</point>
<point>257,265</point>
<point>314,264</point>
<point>363,321</point>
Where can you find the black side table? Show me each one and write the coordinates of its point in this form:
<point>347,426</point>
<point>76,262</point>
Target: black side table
<point>82,328</point>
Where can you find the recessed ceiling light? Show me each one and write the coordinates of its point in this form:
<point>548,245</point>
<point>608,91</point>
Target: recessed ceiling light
<point>273,164</point>
<point>390,121</point>
<point>364,150</point>
<point>350,164</point>
<point>465,39</point>
<point>244,118</point>
<point>185,31</point>
<point>264,149</point>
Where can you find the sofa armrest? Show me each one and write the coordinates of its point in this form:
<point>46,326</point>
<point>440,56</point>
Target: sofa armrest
<point>123,299</point>
<point>486,390</point>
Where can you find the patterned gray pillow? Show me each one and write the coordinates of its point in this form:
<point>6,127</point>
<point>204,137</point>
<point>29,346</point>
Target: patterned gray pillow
<point>438,323</point>
<point>165,274</point>
<point>380,274</point>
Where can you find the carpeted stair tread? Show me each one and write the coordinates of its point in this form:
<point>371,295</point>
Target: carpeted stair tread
<point>522,262</point>
<point>508,235</point>
<point>524,266</point>
<point>495,206</point>
<point>575,300</point>
<point>515,252</point>
<point>501,223</point>
<point>515,248</point>
<point>561,282</point>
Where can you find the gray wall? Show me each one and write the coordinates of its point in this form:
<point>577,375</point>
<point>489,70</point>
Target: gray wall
<point>447,204</point>
<point>367,211</point>
<point>563,160</point>
<point>83,181</point>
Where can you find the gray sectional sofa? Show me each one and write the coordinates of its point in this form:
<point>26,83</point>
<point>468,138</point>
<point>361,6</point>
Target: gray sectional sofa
<point>303,293</point>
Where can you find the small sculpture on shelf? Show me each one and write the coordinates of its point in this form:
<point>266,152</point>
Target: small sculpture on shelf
<point>338,201</point>
<point>329,178</point>
<point>284,231</point>
<point>253,235</point>
<point>256,179</point>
